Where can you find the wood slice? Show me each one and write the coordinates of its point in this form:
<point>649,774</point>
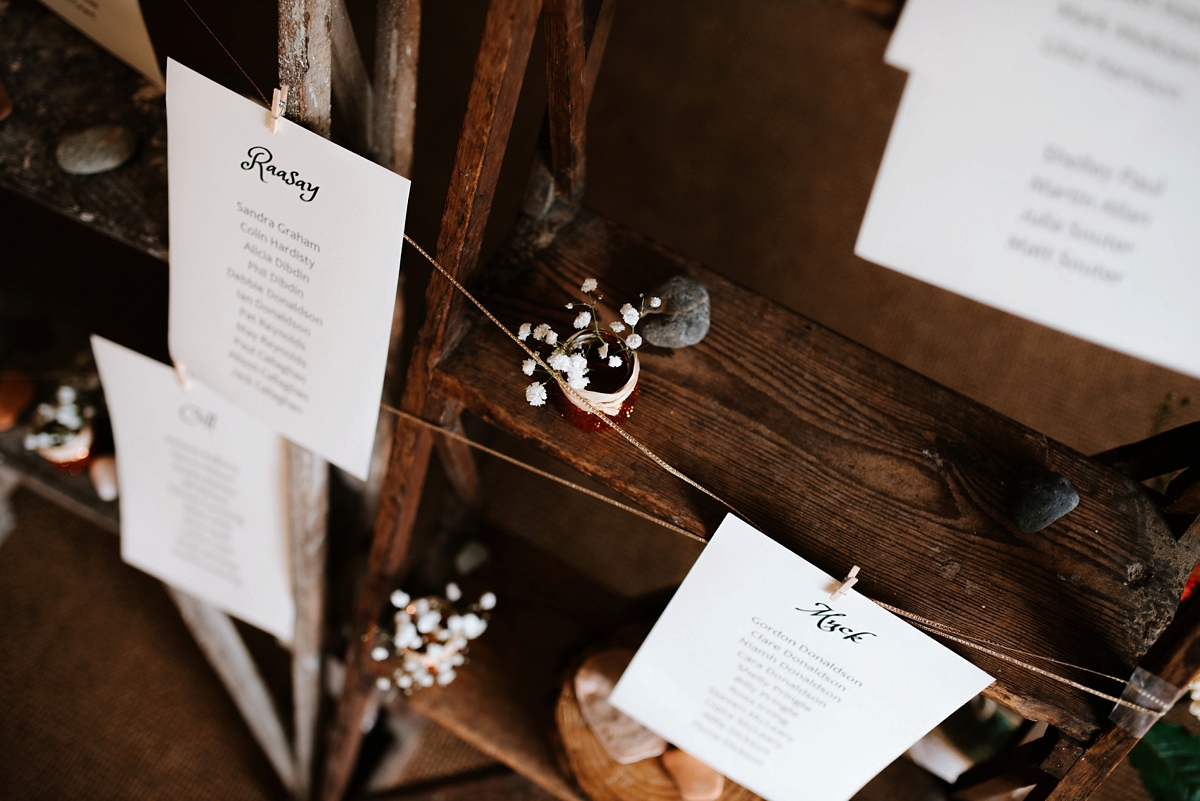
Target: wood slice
<point>601,777</point>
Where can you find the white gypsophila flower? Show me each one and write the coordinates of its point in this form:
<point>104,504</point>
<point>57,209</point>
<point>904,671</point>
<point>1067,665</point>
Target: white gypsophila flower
<point>582,320</point>
<point>65,395</point>
<point>445,677</point>
<point>30,442</point>
<point>540,332</point>
<point>570,305</point>
<point>400,599</point>
<point>528,366</point>
<point>615,361</point>
<point>404,682</point>
<point>603,351</point>
<point>577,380</point>
<point>617,326</point>
<point>589,285</point>
<point>45,410</point>
<point>535,393</point>
<point>655,302</point>
<point>426,680</point>
<point>578,363</point>
<point>454,623</point>
<point>383,684</point>
<point>379,653</point>
<point>422,606</point>
<point>523,331</point>
<point>473,625</point>
<point>428,621</point>
<point>551,337</point>
<point>457,660</point>
<point>629,314</point>
<point>69,417</point>
<point>453,593</point>
<point>559,361</point>
<point>487,600</point>
<point>634,341</point>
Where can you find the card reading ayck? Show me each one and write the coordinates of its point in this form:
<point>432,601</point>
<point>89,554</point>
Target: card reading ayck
<point>285,252</point>
<point>203,490</point>
<point>753,670</point>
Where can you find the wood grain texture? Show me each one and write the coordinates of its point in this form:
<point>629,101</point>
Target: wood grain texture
<point>397,47</point>
<point>306,64</point>
<point>846,458</point>
<point>306,61</point>
<point>60,83</point>
<point>308,480</point>
<point>602,778</point>
<point>214,632</point>
<point>566,95</point>
<point>496,787</point>
<point>352,90</point>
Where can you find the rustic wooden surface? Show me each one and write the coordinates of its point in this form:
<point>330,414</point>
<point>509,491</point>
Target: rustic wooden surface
<point>306,65</point>
<point>60,82</point>
<point>219,641</point>
<point>397,49</point>
<point>846,458</point>
<point>566,95</point>
<point>352,90</point>
<point>499,72</point>
<point>604,779</point>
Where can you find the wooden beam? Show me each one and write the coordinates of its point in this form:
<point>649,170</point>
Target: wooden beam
<point>306,66</point>
<point>309,512</point>
<point>225,651</point>
<point>352,90</point>
<point>459,465</point>
<point>596,45</point>
<point>397,42</point>
<point>306,61</point>
<point>566,96</point>
<point>1163,453</point>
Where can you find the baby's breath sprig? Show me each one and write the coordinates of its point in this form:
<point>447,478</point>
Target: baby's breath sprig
<point>569,358</point>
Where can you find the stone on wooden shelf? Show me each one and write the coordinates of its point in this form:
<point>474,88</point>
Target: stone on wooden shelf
<point>103,473</point>
<point>694,780</point>
<point>684,316</point>
<point>95,150</point>
<point>622,737</point>
<point>1040,498</point>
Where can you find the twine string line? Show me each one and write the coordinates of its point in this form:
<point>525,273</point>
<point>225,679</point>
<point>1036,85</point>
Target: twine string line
<point>226,49</point>
<point>930,626</point>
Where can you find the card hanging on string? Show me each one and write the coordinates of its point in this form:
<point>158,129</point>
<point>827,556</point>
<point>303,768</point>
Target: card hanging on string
<point>203,490</point>
<point>285,253</point>
<point>118,27</point>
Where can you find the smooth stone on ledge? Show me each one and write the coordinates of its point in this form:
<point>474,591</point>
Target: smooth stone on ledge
<point>1040,498</point>
<point>103,473</point>
<point>621,737</point>
<point>684,317</point>
<point>95,150</point>
<point>694,780</point>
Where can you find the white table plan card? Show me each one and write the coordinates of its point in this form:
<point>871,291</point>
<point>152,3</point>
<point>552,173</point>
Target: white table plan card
<point>285,254</point>
<point>203,490</point>
<point>753,670</point>
<point>1043,161</point>
<point>118,27</point>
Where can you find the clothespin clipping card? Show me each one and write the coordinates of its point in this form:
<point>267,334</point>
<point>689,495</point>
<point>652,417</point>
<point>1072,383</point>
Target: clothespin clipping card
<point>278,106</point>
<point>844,587</point>
<point>182,374</point>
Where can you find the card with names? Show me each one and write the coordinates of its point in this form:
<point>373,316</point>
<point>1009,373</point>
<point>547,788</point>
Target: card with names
<point>118,27</point>
<point>203,490</point>
<point>285,254</point>
<point>1043,162</point>
<point>753,670</point>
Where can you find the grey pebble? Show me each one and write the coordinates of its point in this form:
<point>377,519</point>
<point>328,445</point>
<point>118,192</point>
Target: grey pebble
<point>98,149</point>
<point>684,316</point>
<point>1040,498</point>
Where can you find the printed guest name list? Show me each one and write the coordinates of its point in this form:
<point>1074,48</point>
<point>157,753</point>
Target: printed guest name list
<point>285,253</point>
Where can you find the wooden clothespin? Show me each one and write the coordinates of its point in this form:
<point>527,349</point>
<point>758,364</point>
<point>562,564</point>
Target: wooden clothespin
<point>182,374</point>
<point>278,105</point>
<point>844,587</point>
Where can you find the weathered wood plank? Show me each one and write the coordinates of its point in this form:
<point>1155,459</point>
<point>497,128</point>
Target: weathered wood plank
<point>306,65</point>
<point>499,72</point>
<point>225,651</point>
<point>844,456</point>
<point>566,95</point>
<point>308,479</point>
<point>60,82</point>
<point>306,61</point>
<point>352,91</point>
<point>397,47</point>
